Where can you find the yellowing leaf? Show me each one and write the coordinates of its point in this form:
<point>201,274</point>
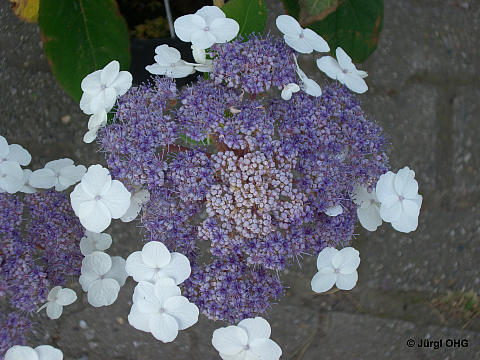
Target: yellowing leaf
<point>27,10</point>
<point>218,3</point>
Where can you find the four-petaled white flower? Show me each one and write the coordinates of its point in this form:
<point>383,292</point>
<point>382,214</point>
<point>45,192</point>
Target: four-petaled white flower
<point>200,56</point>
<point>97,199</point>
<point>95,122</point>
<point>334,210</point>
<point>336,268</point>
<point>155,262</point>
<point>101,277</point>
<point>368,210</point>
<point>308,85</point>
<point>302,40</point>
<point>42,352</point>
<point>168,62</point>
<point>138,199</point>
<point>250,339</point>
<point>58,297</point>
<point>94,242</point>
<point>288,90</point>
<point>27,188</point>
<point>161,310</point>
<point>399,200</point>
<point>206,27</point>
<point>11,177</point>
<point>102,87</point>
<point>344,71</point>
<point>13,152</point>
<point>61,173</point>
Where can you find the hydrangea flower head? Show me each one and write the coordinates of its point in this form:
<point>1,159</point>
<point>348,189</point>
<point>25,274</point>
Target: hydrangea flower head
<point>250,339</point>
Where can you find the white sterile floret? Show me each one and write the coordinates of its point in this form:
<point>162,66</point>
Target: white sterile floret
<point>61,173</point>
<point>250,339</point>
<point>42,352</point>
<point>101,277</point>
<point>200,56</point>
<point>368,210</point>
<point>336,268</point>
<point>13,152</point>
<point>27,188</point>
<point>399,200</point>
<point>138,199</point>
<point>94,242</point>
<point>206,27</point>
<point>168,62</point>
<point>344,71</point>
<point>308,85</point>
<point>334,210</point>
<point>102,87</point>
<point>288,90</point>
<point>97,199</point>
<point>58,297</point>
<point>95,122</point>
<point>302,40</point>
<point>11,177</point>
<point>161,310</point>
<point>155,262</point>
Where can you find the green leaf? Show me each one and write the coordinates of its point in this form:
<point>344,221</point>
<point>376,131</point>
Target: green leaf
<point>81,36</point>
<point>251,15</point>
<point>355,27</point>
<point>292,7</point>
<point>316,10</point>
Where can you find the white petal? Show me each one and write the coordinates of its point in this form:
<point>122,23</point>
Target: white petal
<point>186,25</point>
<point>256,328</point>
<point>144,291</point>
<point>136,267</point>
<point>334,210</point>
<point>78,196</point>
<point>97,120</point>
<point>156,69</point>
<point>54,310</point>
<point>86,101</point>
<point>94,216</point>
<point>288,90</point>
<point>265,349</point>
<point>298,44</point>
<point>90,135</point>
<point>362,74</point>
<point>203,39</point>
<point>165,289</point>
<point>404,179</point>
<point>97,180</point>
<point>43,179</point>
<point>52,294</point>
<point>110,73</point>
<point>47,352</point>
<point>199,55</point>
<point>288,25</point>
<point>18,154</point>
<point>57,165</point>
<point>329,66</point>
<point>184,312</point>
<point>210,13</point>
<point>91,83</point>
<point>132,212</point>
<point>155,254</point>
<point>229,340</point>
<point>66,297</point>
<point>117,199</point>
<point>117,272</point>
<point>4,150</point>
<point>97,262</point>
<point>178,268</point>
<point>166,55</point>
<point>122,83</point>
<point>351,260</point>
<point>323,282</point>
<point>163,327</point>
<point>325,257</point>
<point>317,42</point>
<point>180,70</point>
<point>18,352</point>
<point>138,319</point>
<point>347,281</point>
<point>311,87</point>
<point>70,175</point>
<point>224,29</point>
<point>103,292</point>
<point>362,197</point>
<point>369,217</point>
<point>207,67</point>
<point>344,60</point>
<point>391,213</point>
<point>384,188</point>
<point>11,176</point>
<point>406,222</point>
<point>87,278</point>
<point>355,83</point>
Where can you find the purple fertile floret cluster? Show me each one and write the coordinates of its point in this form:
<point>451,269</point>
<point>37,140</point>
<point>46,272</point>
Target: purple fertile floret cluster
<point>249,178</point>
<point>39,237</point>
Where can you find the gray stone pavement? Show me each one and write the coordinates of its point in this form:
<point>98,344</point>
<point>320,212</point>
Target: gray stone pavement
<point>424,90</point>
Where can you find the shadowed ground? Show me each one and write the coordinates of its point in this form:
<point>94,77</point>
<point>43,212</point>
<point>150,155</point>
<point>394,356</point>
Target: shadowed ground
<point>424,90</point>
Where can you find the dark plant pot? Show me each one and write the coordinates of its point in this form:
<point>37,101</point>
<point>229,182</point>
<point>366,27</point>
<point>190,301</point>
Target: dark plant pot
<point>143,51</point>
